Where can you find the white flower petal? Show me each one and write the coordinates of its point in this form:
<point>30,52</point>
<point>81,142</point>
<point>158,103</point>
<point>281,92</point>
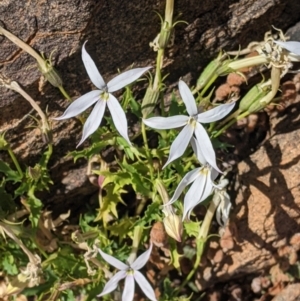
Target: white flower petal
<point>187,179</point>
<point>112,284</point>
<point>142,259</point>
<point>92,70</point>
<point>197,150</point>
<point>165,123</point>
<point>206,146</point>
<point>128,292</point>
<point>216,113</point>
<point>118,117</point>
<point>93,121</point>
<point>187,98</point>
<point>80,104</point>
<point>194,194</point>
<point>144,285</point>
<point>125,78</point>
<point>114,261</point>
<point>180,143</point>
<point>291,46</point>
<point>213,174</point>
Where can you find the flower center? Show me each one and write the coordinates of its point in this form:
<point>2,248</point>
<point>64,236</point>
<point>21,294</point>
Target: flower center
<point>130,271</point>
<point>104,95</point>
<point>192,121</point>
<point>204,171</point>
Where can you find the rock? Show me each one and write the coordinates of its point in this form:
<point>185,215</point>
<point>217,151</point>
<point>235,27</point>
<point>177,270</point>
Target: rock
<point>266,215</point>
<point>118,35</point>
<point>289,293</point>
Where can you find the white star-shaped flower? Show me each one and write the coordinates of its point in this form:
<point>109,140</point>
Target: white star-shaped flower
<point>130,273</point>
<point>291,46</point>
<point>191,126</point>
<point>203,183</point>
<point>102,97</point>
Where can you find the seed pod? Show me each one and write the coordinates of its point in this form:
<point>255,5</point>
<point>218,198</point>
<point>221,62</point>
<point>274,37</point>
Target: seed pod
<point>253,96</point>
<point>208,73</point>
<point>51,75</point>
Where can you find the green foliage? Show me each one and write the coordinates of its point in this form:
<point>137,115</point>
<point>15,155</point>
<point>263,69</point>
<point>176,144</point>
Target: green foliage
<point>54,255</point>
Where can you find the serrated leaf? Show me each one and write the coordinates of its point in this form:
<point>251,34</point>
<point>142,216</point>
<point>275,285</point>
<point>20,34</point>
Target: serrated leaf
<point>152,213</point>
<point>122,228</point>
<point>192,228</point>
<point>139,183</point>
<point>6,204</point>
<point>119,179</point>
<point>108,210</point>
<point>9,265</point>
<point>10,174</point>
<point>95,148</point>
<point>34,206</point>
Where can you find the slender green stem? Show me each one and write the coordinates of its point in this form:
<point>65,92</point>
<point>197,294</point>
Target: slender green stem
<point>137,235</point>
<point>226,126</point>
<point>201,239</point>
<point>141,206</point>
<point>149,157</point>
<point>143,202</point>
<point>211,81</point>
<point>64,93</point>
<point>200,249</point>
<point>13,157</point>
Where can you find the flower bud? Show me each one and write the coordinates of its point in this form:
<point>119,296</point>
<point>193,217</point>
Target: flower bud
<point>149,101</point>
<point>173,226</point>
<point>172,222</point>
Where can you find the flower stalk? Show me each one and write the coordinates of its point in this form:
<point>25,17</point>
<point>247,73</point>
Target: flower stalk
<point>44,65</point>
<point>45,127</point>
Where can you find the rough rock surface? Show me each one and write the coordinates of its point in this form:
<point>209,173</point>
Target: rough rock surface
<point>265,222</point>
<point>119,32</point>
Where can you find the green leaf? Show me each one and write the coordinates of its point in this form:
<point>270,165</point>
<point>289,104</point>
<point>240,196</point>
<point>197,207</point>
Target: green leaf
<point>122,228</point>
<point>7,204</point>
<point>152,213</point>
<point>109,205</point>
<point>95,148</point>
<point>192,228</point>
<point>9,265</point>
<point>10,174</point>
<point>119,179</point>
<point>34,205</point>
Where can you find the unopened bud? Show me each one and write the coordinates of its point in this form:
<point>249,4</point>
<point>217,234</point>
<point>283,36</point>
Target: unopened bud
<point>161,189</point>
<point>149,101</point>
<point>172,222</point>
<point>173,226</point>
